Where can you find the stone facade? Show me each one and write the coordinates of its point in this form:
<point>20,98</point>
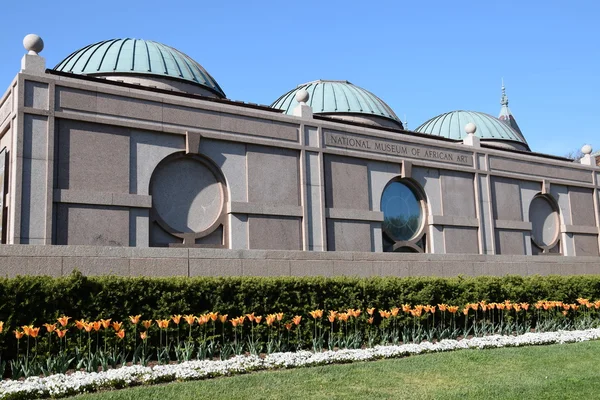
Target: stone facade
<point>101,163</point>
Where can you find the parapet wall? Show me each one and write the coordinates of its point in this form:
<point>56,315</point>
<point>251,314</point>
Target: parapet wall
<point>129,261</point>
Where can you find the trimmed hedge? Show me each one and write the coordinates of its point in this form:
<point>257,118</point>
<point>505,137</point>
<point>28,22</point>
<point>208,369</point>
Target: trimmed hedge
<point>37,300</point>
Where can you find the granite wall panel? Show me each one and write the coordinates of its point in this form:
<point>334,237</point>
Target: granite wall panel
<point>343,235</point>
<point>458,193</point>
<point>92,157</point>
<point>582,206</point>
<point>273,176</point>
<point>460,240</point>
<point>346,183</point>
<point>92,225</point>
<point>506,195</point>
<point>274,233</point>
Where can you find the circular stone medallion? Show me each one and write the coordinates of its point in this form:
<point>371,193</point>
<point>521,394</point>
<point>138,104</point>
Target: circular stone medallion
<point>186,195</point>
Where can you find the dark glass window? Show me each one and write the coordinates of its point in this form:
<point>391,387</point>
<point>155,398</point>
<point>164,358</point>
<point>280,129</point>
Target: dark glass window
<point>402,212</point>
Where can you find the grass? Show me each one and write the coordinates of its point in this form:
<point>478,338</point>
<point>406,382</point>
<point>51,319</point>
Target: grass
<point>568,371</point>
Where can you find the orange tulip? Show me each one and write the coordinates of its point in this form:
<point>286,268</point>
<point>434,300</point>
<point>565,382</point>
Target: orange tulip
<point>117,326</point>
<point>223,318</point>
<point>406,308</point>
<point>442,307</point>
<point>106,323</point>
<point>432,309</point>
<point>88,326</point>
<point>270,319</point>
<point>565,313</point>
<point>33,332</point>
<point>97,325</point>
<point>18,334</point>
<point>61,333</point>
<point>203,319</point>
<point>27,329</point>
<point>385,314</point>
<point>234,322</point>
<point>370,320</point>
<point>316,314</point>
<point>147,323</point>
<point>80,324</point>
<point>163,323</point>
<point>213,316</point>
<point>250,317</point>
<point>135,319</point>
<point>144,335</point>
<point>466,310</point>
<point>395,311</point>
<point>176,319</point>
<point>452,309</point>
<point>190,319</point>
<point>1,326</point>
<point>63,321</point>
<point>279,316</point>
<point>416,312</point>
<point>371,310</point>
<point>343,317</point>
<point>120,334</point>
<point>296,320</point>
<point>525,306</point>
<point>288,326</point>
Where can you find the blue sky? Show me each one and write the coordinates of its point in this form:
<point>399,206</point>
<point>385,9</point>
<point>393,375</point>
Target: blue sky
<point>423,58</point>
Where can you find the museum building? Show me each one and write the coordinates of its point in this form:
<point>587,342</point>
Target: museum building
<point>132,143</point>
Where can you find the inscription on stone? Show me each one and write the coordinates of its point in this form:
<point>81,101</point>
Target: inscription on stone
<point>396,148</point>
<point>5,109</point>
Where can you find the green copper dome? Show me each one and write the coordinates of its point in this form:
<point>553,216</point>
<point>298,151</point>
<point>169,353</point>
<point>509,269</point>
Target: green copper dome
<point>451,125</point>
<point>138,57</point>
<point>338,97</point>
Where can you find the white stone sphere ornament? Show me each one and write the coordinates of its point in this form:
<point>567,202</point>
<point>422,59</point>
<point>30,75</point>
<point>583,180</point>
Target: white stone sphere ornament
<point>302,96</point>
<point>470,128</point>
<point>586,149</point>
<point>33,44</point>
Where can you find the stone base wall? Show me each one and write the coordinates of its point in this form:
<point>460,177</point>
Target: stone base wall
<point>129,261</point>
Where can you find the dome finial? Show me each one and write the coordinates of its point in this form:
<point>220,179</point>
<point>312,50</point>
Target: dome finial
<point>504,98</point>
<point>33,44</point>
<point>302,96</point>
<point>587,158</point>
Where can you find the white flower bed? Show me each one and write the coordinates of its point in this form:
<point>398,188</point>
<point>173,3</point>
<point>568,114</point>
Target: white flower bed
<point>61,385</point>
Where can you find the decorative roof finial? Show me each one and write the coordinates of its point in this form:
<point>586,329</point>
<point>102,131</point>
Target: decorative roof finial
<point>504,99</point>
<point>33,44</point>
<point>405,123</point>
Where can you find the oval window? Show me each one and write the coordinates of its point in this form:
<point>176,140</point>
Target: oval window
<point>402,212</point>
<point>544,222</point>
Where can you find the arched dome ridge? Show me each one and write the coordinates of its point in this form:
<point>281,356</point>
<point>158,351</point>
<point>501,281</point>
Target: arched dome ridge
<point>451,125</point>
<point>339,98</point>
<point>144,58</point>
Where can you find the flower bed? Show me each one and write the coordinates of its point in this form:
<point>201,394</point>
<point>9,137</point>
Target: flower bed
<point>61,385</point>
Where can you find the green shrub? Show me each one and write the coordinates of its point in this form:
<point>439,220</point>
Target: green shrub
<point>37,300</point>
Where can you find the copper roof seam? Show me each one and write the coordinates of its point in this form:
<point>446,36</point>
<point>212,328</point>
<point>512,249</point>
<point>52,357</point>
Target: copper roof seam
<point>113,41</point>
<point>119,53</point>
<point>148,55</point>
<point>82,52</point>
<point>91,55</point>
<point>170,54</point>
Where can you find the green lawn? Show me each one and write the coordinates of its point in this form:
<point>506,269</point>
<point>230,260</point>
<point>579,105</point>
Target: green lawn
<point>568,371</point>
